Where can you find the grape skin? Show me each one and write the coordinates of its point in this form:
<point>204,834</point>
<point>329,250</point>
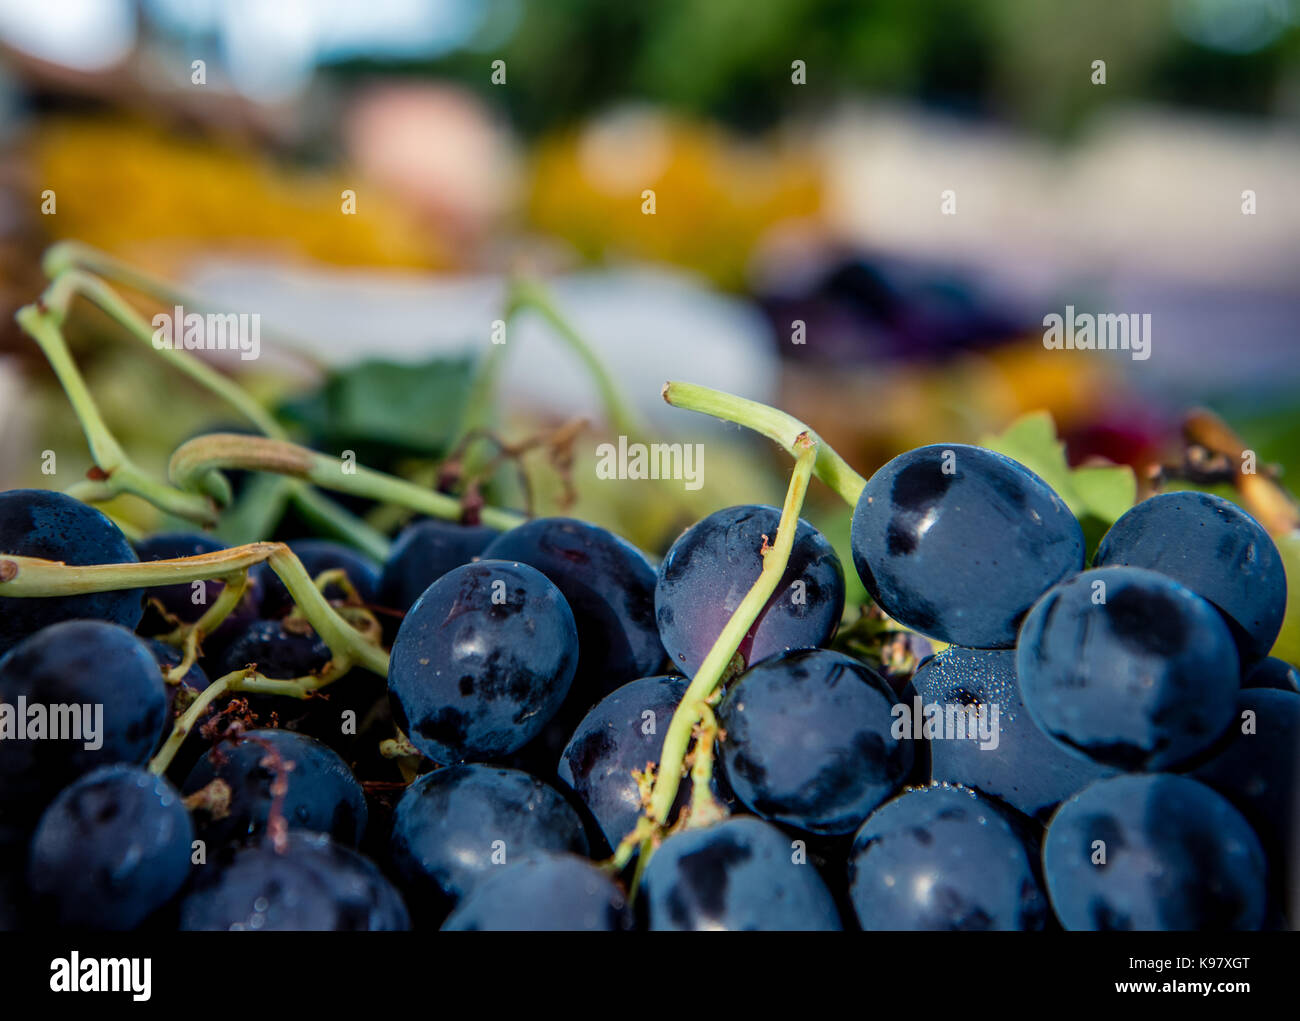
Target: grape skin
<point>322,796</point>
<point>961,555</point>
<point>739,874</point>
<point>711,568</point>
<point>942,858</point>
<point>1177,856</point>
<point>809,743</point>
<point>1027,770</point>
<point>543,893</point>
<point>315,885</point>
<point>1143,681</point>
<point>1214,548</point>
<point>110,850</point>
<point>52,526</point>
<point>82,663</point>
<point>483,660</point>
<point>448,823</point>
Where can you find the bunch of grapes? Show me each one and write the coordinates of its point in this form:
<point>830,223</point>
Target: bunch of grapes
<point>531,724</point>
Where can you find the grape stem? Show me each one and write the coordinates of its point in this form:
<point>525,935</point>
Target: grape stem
<point>196,465</point>
<point>30,577</point>
<point>694,706</point>
<point>775,425</point>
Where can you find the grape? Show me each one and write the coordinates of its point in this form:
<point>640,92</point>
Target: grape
<point>740,874</point>
<point>1272,672</point>
<point>713,565</point>
<point>91,664</point>
<point>451,825</point>
<point>543,893</point>
<point>957,542</point>
<point>942,858</point>
<point>52,526</point>
<point>181,694</point>
<point>323,796</point>
<point>110,850</point>
<point>808,740</point>
<point>317,556</point>
<point>1257,772</point>
<point>422,553</point>
<point>611,741</point>
<point>315,885</point>
<point>1177,856</point>
<point>1143,680</point>
<point>1214,548</point>
<point>482,661</point>
<point>1026,769</point>
<point>278,650</point>
<point>608,583</point>
<point>178,600</point>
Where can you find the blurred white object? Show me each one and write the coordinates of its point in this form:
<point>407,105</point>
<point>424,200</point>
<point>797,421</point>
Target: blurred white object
<point>646,326</point>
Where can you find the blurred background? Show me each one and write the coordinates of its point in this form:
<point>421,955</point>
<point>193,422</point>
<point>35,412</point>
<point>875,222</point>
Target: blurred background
<point>798,151</point>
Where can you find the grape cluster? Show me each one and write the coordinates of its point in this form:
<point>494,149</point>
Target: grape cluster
<point>1093,747</point>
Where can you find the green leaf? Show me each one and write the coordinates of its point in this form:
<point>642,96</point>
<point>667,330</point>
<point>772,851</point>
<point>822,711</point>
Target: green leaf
<point>386,408</point>
<point>1096,494</point>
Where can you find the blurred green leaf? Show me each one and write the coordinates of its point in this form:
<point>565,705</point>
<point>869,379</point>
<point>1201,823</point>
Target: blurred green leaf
<point>1287,646</point>
<point>1096,494</point>
<point>383,409</point>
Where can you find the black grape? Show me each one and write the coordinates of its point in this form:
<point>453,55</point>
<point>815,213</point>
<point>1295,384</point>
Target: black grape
<point>1272,672</point>
<point>1026,769</point>
<point>277,649</point>
<point>623,732</point>
<point>482,661</point>
<point>1257,772</point>
<point>809,743</point>
<point>52,526</point>
<point>110,850</point>
<point>957,542</point>
<point>740,874</point>
<point>455,825</point>
<point>323,796</point>
<point>422,553</point>
<point>543,893</point>
<point>1153,852</point>
<point>1128,668</point>
<point>608,583</point>
<point>91,666</point>
<point>713,565</point>
<point>1214,548</point>
<point>943,858</point>
<point>316,885</point>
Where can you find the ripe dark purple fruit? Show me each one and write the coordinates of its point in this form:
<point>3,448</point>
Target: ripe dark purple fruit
<point>1128,668</point>
<point>957,542</point>
<point>482,661</point>
<point>713,565</point>
<point>809,741</point>
<point>1214,548</point>
<point>52,526</point>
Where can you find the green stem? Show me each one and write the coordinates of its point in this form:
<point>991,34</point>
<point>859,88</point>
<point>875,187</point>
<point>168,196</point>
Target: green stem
<point>775,425</point>
<point>121,473</point>
<point>194,461</point>
<point>709,676</point>
<point>529,294</point>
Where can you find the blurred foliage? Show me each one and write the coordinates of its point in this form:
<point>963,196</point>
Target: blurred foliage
<point>1023,60</point>
<point>117,182</point>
